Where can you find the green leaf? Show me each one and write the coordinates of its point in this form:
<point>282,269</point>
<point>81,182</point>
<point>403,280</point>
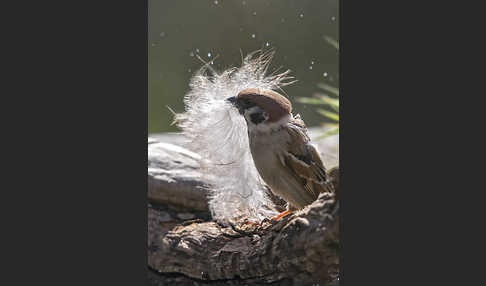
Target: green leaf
<point>332,42</point>
<point>333,131</point>
<point>328,114</point>
<point>310,100</point>
<point>335,125</point>
<point>332,102</point>
<point>320,100</point>
<point>329,133</point>
<point>329,88</point>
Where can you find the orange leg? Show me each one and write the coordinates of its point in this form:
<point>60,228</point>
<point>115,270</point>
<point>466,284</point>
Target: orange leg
<point>281,215</point>
<point>251,222</point>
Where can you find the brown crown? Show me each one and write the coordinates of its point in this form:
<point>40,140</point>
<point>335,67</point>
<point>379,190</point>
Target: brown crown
<point>275,104</point>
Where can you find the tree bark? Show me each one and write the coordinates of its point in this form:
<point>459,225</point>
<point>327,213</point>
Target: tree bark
<point>186,248</point>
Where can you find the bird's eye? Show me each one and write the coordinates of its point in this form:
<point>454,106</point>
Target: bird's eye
<point>246,102</point>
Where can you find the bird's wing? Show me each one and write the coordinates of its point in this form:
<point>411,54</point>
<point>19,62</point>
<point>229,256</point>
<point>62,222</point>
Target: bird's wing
<point>304,161</point>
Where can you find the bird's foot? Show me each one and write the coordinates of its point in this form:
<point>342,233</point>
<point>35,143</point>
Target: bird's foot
<point>281,215</point>
<point>250,222</point>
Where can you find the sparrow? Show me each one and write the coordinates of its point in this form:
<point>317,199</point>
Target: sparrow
<point>281,148</point>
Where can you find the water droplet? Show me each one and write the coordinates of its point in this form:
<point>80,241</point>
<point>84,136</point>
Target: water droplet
<point>241,29</point>
<point>244,2</point>
<point>333,18</point>
<point>197,51</point>
<point>189,70</point>
<point>254,13</point>
<point>162,34</point>
<point>153,44</point>
<point>325,74</point>
<point>253,36</point>
<point>212,62</point>
<point>267,44</point>
<point>191,54</point>
<point>209,54</point>
<point>312,62</point>
<point>301,15</point>
<point>216,2</point>
<point>283,20</point>
<point>310,67</point>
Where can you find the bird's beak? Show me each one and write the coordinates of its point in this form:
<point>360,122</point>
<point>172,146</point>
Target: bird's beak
<point>232,100</point>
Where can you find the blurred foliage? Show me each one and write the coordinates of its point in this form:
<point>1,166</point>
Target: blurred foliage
<point>181,31</point>
<point>328,98</point>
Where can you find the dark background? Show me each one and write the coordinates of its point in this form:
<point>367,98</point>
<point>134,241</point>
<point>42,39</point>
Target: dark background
<point>75,143</point>
<point>180,30</point>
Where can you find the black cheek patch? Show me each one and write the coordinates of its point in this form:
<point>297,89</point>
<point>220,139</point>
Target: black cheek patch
<point>257,117</point>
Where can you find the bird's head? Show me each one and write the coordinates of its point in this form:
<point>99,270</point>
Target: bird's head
<point>261,106</point>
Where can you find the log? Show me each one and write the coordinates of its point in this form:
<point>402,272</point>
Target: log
<point>300,249</point>
<point>186,248</point>
<point>174,177</point>
<point>173,171</point>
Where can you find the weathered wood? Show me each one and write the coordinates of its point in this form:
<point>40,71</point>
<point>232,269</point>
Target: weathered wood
<point>174,177</point>
<point>186,248</point>
<point>301,248</point>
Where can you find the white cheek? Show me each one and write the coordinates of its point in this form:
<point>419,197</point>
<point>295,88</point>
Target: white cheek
<point>267,127</point>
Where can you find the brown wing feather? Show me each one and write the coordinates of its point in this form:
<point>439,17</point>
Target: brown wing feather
<point>301,171</point>
<point>322,185</point>
<point>304,161</point>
